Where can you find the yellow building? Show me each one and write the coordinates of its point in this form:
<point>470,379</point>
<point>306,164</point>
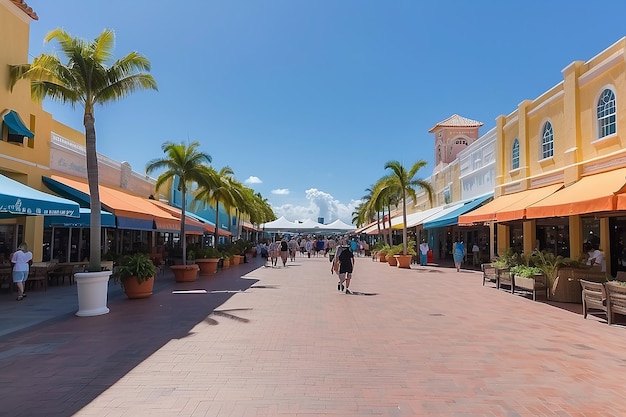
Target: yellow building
<point>39,154</point>
<point>561,165</point>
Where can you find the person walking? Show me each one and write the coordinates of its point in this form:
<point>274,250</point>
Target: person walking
<point>458,254</point>
<point>274,252</point>
<point>475,254</point>
<point>21,260</point>
<point>293,248</point>
<point>345,258</point>
<point>424,248</point>
<point>284,251</point>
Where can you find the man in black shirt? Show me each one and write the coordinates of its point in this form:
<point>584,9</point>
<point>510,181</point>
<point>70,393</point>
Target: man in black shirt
<point>345,257</point>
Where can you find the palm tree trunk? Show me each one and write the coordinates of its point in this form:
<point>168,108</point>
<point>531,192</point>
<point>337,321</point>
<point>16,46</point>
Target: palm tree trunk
<point>217,224</point>
<point>95,233</point>
<point>182,224</point>
<point>378,223</point>
<point>390,230</point>
<point>404,234</point>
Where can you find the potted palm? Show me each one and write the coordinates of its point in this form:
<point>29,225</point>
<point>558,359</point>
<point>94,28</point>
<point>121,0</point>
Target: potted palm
<point>207,260</point>
<point>561,287</point>
<point>391,254</point>
<point>136,274</point>
<point>404,260</point>
<point>89,77</point>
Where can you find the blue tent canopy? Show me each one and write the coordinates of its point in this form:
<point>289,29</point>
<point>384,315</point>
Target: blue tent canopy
<point>19,199</point>
<point>16,126</point>
<point>452,217</point>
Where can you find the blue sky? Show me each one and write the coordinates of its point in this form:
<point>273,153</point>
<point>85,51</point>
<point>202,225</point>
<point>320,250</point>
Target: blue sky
<point>312,98</point>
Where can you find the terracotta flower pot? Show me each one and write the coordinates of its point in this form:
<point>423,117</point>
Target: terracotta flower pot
<point>135,290</point>
<point>208,266</point>
<point>185,273</point>
<point>403,261</point>
<point>382,257</point>
<point>391,260</point>
<point>226,263</point>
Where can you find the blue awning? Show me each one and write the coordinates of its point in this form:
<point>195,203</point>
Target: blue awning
<point>106,219</point>
<point>451,217</point>
<point>16,126</point>
<point>134,224</point>
<point>20,199</point>
<point>66,191</point>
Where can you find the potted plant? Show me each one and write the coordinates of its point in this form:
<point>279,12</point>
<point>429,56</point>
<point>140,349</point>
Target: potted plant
<point>391,252</point>
<point>207,260</point>
<point>560,287</point>
<point>136,273</point>
<point>404,260</point>
<point>382,253</point>
<point>529,278</point>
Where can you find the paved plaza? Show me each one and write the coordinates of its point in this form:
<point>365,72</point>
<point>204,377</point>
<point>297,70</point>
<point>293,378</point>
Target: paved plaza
<point>283,341</point>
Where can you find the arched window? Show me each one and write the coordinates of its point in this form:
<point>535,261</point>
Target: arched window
<point>515,154</point>
<point>547,141</point>
<point>606,114</point>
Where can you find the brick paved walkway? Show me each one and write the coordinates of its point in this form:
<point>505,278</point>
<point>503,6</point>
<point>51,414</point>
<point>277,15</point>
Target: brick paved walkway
<point>284,342</point>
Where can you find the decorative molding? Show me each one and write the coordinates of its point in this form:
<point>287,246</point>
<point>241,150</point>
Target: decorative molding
<point>547,180</point>
<point>602,67</point>
<point>604,165</point>
<point>511,188</point>
<point>545,103</point>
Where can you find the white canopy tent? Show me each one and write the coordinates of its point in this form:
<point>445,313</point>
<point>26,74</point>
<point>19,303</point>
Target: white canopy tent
<point>282,225</point>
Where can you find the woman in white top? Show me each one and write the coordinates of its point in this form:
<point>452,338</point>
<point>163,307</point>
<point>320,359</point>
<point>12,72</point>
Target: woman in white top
<point>21,260</point>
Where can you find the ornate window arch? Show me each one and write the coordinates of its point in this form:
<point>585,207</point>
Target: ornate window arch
<point>547,141</point>
<point>515,154</point>
<point>606,113</point>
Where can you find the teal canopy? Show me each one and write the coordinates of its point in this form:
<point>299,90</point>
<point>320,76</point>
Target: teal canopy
<point>19,199</point>
<point>452,217</point>
<point>106,220</point>
<point>16,126</point>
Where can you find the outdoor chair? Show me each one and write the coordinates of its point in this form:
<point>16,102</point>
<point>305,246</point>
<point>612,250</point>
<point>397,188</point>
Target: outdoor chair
<point>615,300</point>
<point>37,277</point>
<point>594,297</point>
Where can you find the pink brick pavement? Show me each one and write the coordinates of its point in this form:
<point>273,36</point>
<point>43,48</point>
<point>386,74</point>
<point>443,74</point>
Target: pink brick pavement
<point>422,342</point>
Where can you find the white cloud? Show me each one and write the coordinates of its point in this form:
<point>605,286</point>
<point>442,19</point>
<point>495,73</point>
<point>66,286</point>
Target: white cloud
<point>281,191</point>
<point>253,180</point>
<point>320,204</point>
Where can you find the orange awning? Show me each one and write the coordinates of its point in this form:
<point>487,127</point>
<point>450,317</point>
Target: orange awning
<point>123,204</point>
<point>189,221</point>
<point>507,207</point>
<point>590,194</point>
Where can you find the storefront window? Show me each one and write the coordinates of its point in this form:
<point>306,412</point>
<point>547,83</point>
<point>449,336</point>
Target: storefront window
<point>554,239</point>
<point>7,242</point>
<point>517,238</point>
<point>591,231</point>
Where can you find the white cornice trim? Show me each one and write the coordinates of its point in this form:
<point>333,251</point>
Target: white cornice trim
<point>601,68</point>
<point>546,103</point>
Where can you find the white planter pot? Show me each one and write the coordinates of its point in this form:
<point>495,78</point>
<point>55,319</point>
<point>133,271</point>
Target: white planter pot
<point>93,288</point>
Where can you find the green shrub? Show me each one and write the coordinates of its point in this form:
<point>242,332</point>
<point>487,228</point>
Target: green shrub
<point>136,265</point>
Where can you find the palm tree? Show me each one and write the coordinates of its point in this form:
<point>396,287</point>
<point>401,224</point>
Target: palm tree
<point>384,195</point>
<point>186,163</point>
<point>215,188</point>
<point>88,80</point>
<point>403,183</point>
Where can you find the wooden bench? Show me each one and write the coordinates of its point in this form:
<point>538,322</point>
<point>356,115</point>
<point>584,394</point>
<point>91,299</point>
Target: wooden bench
<point>503,277</point>
<point>594,297</point>
<point>489,273</point>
